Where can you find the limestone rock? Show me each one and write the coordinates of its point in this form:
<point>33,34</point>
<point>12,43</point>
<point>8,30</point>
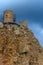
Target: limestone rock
<point>18,45</point>
<point>19,49</point>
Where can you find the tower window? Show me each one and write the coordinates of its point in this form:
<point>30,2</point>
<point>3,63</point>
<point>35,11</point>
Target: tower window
<point>6,15</point>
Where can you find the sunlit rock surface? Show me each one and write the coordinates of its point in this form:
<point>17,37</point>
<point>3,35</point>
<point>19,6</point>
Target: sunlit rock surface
<point>19,48</point>
<point>18,45</point>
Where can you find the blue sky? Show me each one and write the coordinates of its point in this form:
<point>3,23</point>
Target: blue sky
<point>30,10</point>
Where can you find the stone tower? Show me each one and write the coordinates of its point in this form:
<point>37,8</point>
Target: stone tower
<point>25,23</point>
<point>8,16</point>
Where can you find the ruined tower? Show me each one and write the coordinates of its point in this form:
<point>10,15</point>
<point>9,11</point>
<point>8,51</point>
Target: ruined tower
<point>24,23</point>
<point>8,16</point>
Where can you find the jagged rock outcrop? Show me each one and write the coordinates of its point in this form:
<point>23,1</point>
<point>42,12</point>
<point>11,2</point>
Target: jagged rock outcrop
<point>18,46</point>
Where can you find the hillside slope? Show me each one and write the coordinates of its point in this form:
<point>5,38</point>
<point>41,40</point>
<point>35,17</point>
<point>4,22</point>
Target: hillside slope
<point>18,46</point>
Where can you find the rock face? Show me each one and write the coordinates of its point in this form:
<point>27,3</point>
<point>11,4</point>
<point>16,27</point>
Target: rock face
<point>40,59</point>
<point>18,46</point>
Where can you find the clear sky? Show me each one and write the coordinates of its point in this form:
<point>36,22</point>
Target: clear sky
<point>31,10</point>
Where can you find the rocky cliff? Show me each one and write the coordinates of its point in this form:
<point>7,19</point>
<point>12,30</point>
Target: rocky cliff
<point>18,46</point>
